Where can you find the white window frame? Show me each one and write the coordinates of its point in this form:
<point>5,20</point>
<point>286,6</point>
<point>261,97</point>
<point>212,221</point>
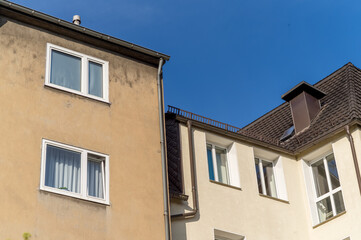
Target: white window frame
<point>263,182</point>
<point>83,178</point>
<point>85,59</point>
<point>214,161</point>
<point>329,184</point>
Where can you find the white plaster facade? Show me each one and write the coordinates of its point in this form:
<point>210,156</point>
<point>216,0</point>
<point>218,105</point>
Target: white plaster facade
<point>243,213</point>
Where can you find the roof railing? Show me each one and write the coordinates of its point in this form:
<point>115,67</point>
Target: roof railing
<point>221,125</point>
<point>202,119</point>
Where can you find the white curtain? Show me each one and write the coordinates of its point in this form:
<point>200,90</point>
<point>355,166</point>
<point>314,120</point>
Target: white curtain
<point>95,178</point>
<point>62,169</point>
<point>95,79</point>
<point>65,70</point>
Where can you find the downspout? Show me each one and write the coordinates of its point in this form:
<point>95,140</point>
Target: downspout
<point>163,158</point>
<point>194,211</point>
<point>355,162</point>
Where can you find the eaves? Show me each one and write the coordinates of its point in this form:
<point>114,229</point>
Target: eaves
<point>77,32</point>
<point>233,135</point>
<point>236,136</point>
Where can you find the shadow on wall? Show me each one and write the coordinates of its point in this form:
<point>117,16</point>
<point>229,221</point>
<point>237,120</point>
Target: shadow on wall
<point>3,21</point>
<point>179,227</point>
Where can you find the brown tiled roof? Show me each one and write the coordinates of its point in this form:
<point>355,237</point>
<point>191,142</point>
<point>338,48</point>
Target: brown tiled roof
<point>173,155</point>
<point>340,106</point>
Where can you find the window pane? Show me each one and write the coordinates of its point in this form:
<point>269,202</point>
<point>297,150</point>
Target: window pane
<point>324,209</point>
<point>95,176</point>
<point>210,162</point>
<point>259,181</point>
<point>95,79</point>
<point>319,175</point>
<point>269,179</point>
<point>62,169</point>
<point>340,206</point>
<point>222,167</point>
<point>335,182</point>
<point>65,70</point>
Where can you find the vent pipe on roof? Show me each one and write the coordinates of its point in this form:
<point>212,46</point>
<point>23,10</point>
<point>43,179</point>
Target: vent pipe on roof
<point>305,104</point>
<point>76,20</point>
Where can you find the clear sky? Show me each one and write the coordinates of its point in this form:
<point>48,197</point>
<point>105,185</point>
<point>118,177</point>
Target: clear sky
<point>231,60</point>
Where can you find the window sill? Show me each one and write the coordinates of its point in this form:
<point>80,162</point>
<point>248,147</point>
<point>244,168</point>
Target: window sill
<point>63,89</point>
<point>273,198</point>
<point>326,221</point>
<point>226,185</point>
<point>74,195</point>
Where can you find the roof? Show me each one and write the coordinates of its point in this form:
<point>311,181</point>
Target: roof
<point>36,18</point>
<point>339,107</point>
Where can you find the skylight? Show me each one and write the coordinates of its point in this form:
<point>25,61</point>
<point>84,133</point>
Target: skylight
<point>288,133</point>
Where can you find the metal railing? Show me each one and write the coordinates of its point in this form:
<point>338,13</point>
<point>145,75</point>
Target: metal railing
<point>202,119</point>
<point>221,125</point>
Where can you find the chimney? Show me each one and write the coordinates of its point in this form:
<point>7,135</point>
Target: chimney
<point>305,104</point>
<point>76,20</point>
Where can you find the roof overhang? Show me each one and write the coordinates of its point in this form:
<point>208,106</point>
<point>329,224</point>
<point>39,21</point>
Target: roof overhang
<point>79,33</point>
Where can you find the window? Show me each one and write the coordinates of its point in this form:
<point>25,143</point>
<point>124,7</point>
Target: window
<point>75,172</point>
<point>327,187</point>
<point>217,164</point>
<point>77,73</point>
<point>265,177</point>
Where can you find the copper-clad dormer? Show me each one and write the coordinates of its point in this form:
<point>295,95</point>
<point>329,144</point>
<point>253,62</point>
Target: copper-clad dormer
<point>304,101</point>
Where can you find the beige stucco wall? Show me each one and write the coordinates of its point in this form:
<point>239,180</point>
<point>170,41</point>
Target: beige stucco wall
<point>246,213</point>
<point>127,130</point>
<point>242,212</point>
<point>346,225</point>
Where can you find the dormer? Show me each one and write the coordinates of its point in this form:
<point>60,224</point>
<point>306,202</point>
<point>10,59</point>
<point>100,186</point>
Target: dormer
<point>304,100</point>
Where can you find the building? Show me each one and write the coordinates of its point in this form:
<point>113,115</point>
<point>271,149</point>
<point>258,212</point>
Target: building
<point>291,174</point>
<point>80,124</point>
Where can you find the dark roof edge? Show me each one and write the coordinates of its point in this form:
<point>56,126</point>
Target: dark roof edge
<point>328,134</point>
<point>233,135</point>
<point>237,136</point>
<point>294,153</point>
<point>80,29</point>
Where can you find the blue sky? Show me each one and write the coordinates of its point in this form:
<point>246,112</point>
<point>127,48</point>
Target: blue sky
<point>231,60</point>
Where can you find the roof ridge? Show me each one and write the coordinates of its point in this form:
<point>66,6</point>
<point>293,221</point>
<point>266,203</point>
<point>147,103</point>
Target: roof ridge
<point>350,86</point>
<point>344,67</point>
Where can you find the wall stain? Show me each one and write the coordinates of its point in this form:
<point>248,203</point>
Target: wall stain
<point>34,56</point>
<point>68,104</point>
<point>10,43</point>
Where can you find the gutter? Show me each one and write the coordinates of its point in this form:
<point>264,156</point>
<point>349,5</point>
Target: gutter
<point>80,29</point>
<point>168,235</point>
<point>235,136</point>
<point>354,157</point>
<point>194,210</point>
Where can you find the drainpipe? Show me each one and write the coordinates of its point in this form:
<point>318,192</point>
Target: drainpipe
<point>355,162</point>
<point>162,142</point>
<point>194,211</point>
